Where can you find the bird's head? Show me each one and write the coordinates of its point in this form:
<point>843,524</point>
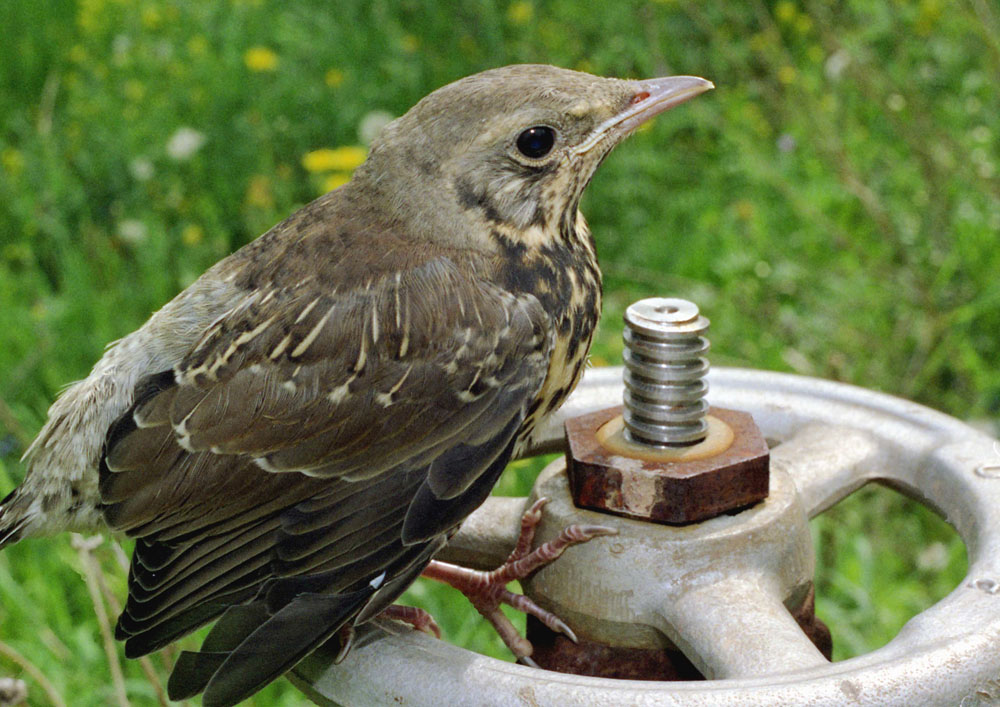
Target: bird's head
<point>512,148</point>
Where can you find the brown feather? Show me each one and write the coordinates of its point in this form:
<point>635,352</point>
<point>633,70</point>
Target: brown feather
<point>375,361</point>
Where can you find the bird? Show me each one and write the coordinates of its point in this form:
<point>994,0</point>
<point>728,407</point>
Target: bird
<point>293,437</point>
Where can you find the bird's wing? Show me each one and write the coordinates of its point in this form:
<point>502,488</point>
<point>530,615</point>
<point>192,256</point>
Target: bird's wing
<point>399,403</point>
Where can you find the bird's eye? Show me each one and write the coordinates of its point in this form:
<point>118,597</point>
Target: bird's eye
<point>536,142</point>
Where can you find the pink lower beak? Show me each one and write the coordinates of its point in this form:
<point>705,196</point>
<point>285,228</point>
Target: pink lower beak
<point>652,97</point>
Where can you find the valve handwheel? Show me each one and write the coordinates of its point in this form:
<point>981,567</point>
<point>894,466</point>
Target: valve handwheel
<point>718,590</point>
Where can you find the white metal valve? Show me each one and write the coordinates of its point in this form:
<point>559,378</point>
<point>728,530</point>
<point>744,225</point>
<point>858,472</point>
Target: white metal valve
<point>833,439</point>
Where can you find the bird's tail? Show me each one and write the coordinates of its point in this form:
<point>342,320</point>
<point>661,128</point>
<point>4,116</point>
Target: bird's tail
<point>13,518</point>
<point>250,646</point>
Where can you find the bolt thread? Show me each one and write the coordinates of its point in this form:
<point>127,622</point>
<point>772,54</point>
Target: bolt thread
<point>665,372</point>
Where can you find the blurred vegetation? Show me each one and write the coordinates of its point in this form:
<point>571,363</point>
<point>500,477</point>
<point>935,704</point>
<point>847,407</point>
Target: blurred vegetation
<point>833,207</point>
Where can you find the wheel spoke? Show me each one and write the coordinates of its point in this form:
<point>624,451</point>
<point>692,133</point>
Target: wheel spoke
<point>737,628</point>
<point>828,463</point>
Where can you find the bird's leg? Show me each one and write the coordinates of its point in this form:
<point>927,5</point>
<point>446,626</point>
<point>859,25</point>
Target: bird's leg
<point>488,590</point>
<point>416,617</point>
<point>346,637</point>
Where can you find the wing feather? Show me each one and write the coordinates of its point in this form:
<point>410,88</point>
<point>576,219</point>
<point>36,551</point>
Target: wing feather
<point>314,444</point>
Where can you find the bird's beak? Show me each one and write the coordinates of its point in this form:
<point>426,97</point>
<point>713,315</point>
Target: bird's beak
<point>652,97</point>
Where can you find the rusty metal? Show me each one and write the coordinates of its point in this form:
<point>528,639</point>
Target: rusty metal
<point>650,488</point>
<point>812,626</point>
<point>553,651</point>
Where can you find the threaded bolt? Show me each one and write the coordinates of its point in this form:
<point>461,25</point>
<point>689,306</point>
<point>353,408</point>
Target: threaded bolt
<point>665,372</point>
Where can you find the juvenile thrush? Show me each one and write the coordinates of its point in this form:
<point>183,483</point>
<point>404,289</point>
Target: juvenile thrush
<point>293,437</point>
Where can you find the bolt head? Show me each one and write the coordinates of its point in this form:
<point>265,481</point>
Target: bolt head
<point>649,487</point>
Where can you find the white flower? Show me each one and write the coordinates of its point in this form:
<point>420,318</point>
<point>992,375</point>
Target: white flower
<point>787,142</point>
<point>896,102</point>
<point>132,231</point>
<point>141,169</point>
<point>836,64</point>
<point>934,557</point>
<point>120,46</point>
<point>184,143</point>
<point>371,125</point>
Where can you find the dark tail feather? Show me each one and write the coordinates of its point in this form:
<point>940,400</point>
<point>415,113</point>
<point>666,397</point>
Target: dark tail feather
<point>191,673</point>
<point>11,521</point>
<point>9,534</point>
<point>242,654</point>
<point>194,669</point>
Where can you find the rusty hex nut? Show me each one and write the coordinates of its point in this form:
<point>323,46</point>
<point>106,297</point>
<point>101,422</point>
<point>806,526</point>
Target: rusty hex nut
<point>671,486</point>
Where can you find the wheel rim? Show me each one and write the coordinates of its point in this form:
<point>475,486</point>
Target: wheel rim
<point>834,439</point>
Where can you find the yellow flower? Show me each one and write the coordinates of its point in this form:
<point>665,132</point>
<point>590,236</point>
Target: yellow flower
<point>335,180</point>
<point>409,43</point>
<point>151,17</point>
<point>785,11</point>
<point>260,59</point>
<point>193,234</point>
<point>344,159</point>
<point>744,209</point>
<point>197,45</point>
<point>259,192</point>
<point>89,14</point>
<point>16,253</point>
<point>760,41</point>
<point>12,161</point>
<point>334,77</point>
<point>134,90</point>
<point>520,13</point>
<point>930,14</point>
<point>787,74</point>
<point>77,54</point>
<point>467,45</point>
<point>38,311</point>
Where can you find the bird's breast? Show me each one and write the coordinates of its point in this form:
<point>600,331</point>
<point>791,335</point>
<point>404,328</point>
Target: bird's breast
<point>567,282</point>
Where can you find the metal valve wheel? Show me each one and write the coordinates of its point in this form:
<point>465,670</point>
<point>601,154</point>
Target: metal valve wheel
<point>718,590</point>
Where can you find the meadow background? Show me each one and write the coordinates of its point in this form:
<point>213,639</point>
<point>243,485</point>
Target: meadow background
<point>833,207</point>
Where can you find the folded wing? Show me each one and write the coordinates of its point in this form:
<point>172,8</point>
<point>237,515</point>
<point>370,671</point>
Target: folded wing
<point>308,457</point>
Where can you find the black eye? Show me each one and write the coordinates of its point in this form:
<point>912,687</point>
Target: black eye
<point>536,142</point>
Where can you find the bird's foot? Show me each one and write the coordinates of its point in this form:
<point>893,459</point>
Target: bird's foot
<point>488,590</point>
<point>416,617</point>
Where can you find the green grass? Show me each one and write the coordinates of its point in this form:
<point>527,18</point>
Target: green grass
<point>833,207</point>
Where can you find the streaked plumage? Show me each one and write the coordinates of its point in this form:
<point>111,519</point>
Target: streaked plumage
<point>293,437</point>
